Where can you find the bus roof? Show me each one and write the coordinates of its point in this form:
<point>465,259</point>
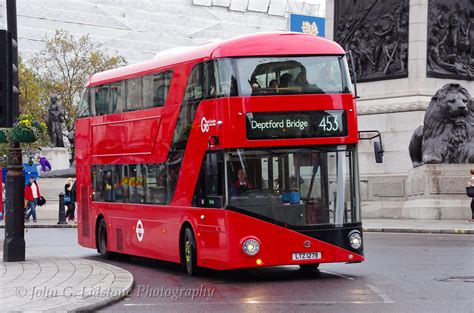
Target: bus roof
<point>260,44</point>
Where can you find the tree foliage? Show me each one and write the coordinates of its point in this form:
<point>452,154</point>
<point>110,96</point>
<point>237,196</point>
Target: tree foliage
<point>65,64</point>
<point>32,95</point>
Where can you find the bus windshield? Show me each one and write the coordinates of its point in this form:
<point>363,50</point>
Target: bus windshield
<point>295,186</point>
<point>260,76</point>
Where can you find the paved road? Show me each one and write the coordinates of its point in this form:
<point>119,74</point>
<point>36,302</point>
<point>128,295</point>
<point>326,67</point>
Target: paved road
<point>403,273</point>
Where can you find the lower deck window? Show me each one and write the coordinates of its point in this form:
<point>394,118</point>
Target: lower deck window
<point>134,183</point>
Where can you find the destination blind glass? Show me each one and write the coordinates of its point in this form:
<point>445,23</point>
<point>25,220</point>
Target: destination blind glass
<point>307,124</point>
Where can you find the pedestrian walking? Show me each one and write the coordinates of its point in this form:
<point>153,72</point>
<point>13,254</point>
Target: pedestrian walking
<point>68,200</point>
<point>4,201</point>
<point>32,194</point>
<point>471,184</point>
<point>74,200</point>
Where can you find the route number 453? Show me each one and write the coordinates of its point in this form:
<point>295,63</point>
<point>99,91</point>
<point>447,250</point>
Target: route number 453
<point>329,124</point>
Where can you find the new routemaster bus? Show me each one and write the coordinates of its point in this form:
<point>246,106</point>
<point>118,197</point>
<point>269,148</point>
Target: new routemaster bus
<point>235,154</point>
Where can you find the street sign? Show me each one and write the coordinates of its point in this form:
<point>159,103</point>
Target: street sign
<point>307,24</point>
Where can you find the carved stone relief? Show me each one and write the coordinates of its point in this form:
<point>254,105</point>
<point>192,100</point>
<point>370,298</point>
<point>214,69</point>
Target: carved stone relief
<point>376,32</point>
<point>451,39</point>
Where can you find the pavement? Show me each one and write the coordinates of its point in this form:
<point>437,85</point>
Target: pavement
<point>44,224</point>
<point>61,284</point>
<point>418,226</point>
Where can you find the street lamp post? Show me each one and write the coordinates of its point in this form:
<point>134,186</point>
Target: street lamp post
<point>14,243</point>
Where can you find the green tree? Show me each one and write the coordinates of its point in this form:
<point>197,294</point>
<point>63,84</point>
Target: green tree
<point>31,99</point>
<point>65,64</point>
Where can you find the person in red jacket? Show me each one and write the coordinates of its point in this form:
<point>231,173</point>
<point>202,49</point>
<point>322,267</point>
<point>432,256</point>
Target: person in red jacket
<point>32,194</point>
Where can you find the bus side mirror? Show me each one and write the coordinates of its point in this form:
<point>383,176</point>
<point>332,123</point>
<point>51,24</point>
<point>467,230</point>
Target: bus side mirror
<point>378,147</point>
<point>378,152</point>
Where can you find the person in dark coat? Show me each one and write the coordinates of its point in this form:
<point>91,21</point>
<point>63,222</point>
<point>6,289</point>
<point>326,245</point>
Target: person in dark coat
<point>68,200</point>
<point>74,200</point>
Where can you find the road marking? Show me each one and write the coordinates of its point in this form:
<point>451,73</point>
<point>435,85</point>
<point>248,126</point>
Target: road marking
<point>381,294</point>
<point>338,275</point>
<point>260,303</point>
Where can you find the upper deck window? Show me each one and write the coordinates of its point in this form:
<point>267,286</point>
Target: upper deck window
<point>293,75</point>
<point>132,94</point>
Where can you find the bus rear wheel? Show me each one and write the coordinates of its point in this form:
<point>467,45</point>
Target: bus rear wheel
<point>102,240</point>
<point>189,252</point>
<point>309,267</point>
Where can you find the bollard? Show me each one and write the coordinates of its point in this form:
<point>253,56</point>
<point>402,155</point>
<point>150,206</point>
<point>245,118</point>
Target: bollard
<point>62,212</point>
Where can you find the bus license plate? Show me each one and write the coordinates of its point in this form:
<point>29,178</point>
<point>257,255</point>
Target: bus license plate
<point>306,256</point>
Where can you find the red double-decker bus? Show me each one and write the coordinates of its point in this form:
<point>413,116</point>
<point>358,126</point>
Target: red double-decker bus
<point>235,154</point>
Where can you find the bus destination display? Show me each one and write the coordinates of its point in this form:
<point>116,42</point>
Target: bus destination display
<point>307,124</point>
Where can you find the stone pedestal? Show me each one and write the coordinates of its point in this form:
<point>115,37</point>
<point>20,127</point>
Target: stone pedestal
<point>437,192</point>
<point>58,157</point>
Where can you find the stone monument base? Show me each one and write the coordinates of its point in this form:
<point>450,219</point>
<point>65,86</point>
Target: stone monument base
<point>432,192</point>
<point>58,157</point>
<point>437,192</point>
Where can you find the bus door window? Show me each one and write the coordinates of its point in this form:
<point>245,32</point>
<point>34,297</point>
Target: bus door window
<point>215,180</point>
<point>209,191</point>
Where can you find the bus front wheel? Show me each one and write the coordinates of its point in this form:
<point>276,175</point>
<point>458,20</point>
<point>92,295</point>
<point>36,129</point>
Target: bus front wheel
<point>189,252</point>
<point>102,240</point>
<point>309,267</point>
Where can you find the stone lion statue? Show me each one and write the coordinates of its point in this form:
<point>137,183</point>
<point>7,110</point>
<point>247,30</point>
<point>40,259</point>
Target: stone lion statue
<point>447,134</point>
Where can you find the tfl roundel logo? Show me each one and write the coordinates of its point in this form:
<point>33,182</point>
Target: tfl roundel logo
<point>140,230</point>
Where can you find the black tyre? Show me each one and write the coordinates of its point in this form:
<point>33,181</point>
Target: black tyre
<point>102,247</point>
<point>189,252</point>
<point>309,267</point>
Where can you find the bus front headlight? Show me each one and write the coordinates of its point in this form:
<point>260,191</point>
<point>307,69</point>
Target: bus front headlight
<point>251,247</point>
<point>355,239</point>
